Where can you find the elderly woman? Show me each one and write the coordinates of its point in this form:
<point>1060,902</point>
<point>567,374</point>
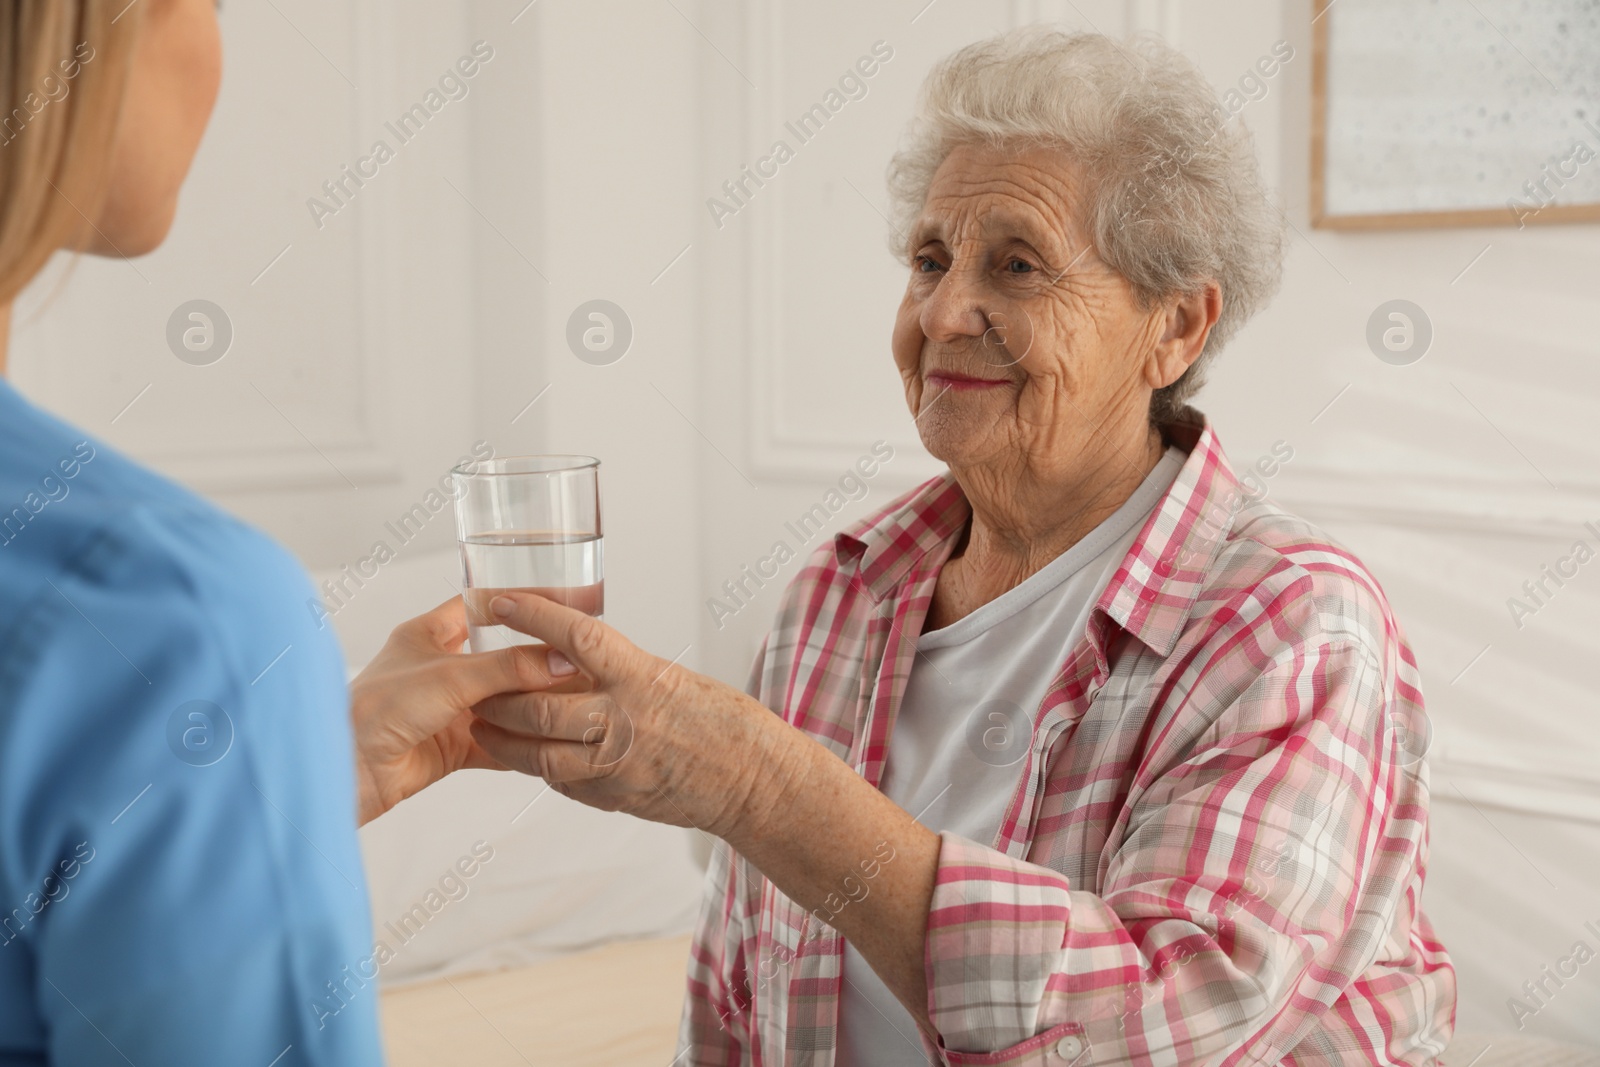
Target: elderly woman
<point>1080,753</point>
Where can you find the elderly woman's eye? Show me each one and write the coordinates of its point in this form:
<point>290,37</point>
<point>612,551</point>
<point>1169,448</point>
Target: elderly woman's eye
<point>1019,266</point>
<point>926,265</point>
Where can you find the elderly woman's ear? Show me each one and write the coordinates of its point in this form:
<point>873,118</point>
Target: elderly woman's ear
<point>1190,318</point>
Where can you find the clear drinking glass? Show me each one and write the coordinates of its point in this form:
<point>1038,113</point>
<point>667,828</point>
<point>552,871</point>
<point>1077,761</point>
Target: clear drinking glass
<point>528,524</point>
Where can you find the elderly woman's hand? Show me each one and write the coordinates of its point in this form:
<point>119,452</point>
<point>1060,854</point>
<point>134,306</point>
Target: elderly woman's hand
<point>661,742</point>
<point>649,738</point>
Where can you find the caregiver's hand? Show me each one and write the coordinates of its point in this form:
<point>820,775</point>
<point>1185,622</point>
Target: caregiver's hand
<point>650,738</point>
<point>410,708</point>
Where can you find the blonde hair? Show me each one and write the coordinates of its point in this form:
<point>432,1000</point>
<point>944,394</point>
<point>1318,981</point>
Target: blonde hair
<point>63,70</point>
<point>1174,195</point>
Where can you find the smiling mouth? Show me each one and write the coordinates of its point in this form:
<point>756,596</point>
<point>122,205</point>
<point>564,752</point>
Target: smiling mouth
<point>954,380</point>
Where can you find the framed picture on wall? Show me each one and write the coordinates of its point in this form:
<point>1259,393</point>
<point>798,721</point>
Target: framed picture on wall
<point>1454,113</point>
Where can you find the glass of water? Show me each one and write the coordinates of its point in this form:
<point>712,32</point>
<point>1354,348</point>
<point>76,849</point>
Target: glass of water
<point>528,524</point>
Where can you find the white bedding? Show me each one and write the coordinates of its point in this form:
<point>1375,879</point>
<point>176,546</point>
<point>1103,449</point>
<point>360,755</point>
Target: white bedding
<point>562,877</point>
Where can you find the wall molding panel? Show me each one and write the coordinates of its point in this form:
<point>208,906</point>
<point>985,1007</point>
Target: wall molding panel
<point>370,458</point>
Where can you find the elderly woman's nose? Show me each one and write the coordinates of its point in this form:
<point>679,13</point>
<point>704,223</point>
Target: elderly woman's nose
<point>955,309</point>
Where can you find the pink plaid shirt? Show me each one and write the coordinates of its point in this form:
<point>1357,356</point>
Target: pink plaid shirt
<point>1215,849</point>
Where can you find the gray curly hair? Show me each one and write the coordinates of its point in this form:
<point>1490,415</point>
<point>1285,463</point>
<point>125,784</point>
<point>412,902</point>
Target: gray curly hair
<point>1173,191</point>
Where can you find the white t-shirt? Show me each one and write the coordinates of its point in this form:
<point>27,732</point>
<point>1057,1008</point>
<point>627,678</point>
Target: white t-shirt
<point>964,727</point>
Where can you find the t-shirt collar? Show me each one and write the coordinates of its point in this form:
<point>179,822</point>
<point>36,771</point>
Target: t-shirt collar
<point>1154,589</point>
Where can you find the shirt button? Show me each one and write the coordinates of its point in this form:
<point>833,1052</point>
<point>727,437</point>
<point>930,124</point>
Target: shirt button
<point>1069,1048</point>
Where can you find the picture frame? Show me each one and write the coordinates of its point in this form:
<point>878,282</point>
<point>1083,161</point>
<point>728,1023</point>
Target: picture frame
<point>1398,140</point>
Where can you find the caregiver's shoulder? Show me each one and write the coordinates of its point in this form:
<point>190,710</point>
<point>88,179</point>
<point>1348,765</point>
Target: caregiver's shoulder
<point>77,514</point>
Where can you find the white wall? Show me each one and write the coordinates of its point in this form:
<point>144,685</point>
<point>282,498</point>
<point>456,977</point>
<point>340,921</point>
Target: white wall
<point>342,396</point>
<point>420,318</point>
<point>561,143</point>
<point>425,317</point>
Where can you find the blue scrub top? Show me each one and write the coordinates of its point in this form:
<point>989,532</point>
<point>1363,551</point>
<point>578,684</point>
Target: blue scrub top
<point>180,881</point>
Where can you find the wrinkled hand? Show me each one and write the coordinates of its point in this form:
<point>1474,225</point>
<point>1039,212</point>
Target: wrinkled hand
<point>650,738</point>
<point>410,708</point>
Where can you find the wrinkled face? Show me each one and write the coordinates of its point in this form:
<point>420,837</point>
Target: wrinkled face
<point>1015,342</point>
<point>172,86</point>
